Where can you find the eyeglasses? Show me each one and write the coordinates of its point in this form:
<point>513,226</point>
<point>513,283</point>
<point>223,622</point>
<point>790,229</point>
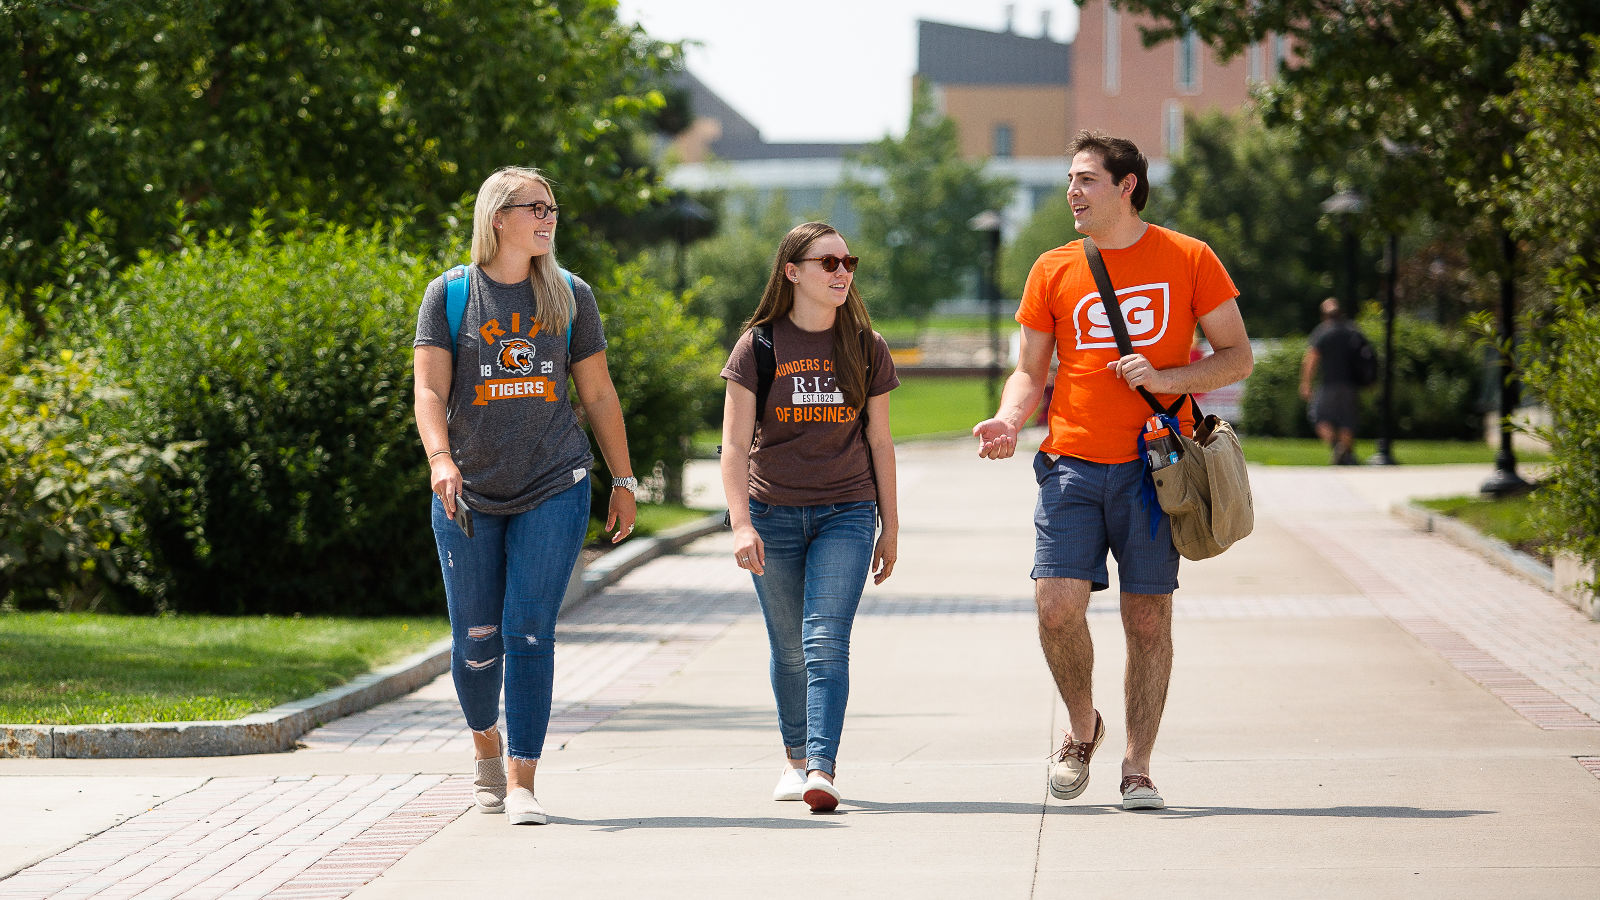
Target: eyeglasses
<point>830,263</point>
<point>542,209</point>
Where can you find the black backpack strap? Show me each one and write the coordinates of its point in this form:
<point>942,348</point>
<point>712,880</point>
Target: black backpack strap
<point>1108,299</point>
<point>766,365</point>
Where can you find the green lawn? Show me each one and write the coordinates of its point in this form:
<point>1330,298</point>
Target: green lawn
<point>87,668</point>
<point>653,518</point>
<point>1507,518</point>
<point>922,406</point>
<point>1312,452</point>
<point>904,332</point>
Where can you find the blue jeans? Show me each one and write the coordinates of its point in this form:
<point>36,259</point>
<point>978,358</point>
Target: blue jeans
<point>504,587</point>
<point>817,559</point>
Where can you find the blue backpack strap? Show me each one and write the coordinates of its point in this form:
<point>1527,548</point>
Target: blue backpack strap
<point>455,300</point>
<point>573,288</point>
<point>456,284</point>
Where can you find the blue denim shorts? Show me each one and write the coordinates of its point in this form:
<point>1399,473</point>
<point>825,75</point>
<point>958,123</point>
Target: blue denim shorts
<point>1086,508</point>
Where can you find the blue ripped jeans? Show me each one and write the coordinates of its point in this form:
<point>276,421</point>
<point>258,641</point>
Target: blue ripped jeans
<point>817,560</point>
<point>504,587</point>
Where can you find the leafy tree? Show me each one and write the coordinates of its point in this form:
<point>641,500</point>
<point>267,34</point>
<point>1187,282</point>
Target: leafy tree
<point>1414,87</point>
<point>1049,227</point>
<point>733,265</point>
<point>1559,200</point>
<point>916,219</point>
<point>1243,190</point>
<point>359,110</point>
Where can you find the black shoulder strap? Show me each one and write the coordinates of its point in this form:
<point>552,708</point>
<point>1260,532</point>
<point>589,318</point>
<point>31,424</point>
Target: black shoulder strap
<point>866,349</point>
<point>766,365</point>
<point>1108,298</point>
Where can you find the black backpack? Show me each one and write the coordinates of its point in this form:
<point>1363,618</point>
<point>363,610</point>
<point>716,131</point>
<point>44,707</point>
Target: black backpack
<point>1365,370</point>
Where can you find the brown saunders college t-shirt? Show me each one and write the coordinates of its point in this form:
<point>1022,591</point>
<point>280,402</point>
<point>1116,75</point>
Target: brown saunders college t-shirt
<point>810,447</point>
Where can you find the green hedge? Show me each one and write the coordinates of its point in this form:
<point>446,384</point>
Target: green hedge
<point>286,363</point>
<point>1437,374</point>
<point>68,492</point>
<point>1559,366</point>
<point>664,362</point>
<point>290,362</point>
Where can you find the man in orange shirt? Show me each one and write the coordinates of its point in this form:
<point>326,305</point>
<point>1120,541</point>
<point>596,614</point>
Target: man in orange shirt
<point>1090,471</point>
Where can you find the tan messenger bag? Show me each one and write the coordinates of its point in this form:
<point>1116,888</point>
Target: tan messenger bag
<point>1206,493</point>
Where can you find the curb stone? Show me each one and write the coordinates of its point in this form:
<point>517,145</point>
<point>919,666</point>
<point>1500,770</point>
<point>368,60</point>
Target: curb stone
<point>278,729</point>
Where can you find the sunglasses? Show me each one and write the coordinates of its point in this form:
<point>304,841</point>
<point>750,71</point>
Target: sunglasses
<point>541,209</point>
<point>830,263</point>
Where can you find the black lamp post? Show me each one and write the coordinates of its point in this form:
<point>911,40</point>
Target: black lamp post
<point>1345,206</point>
<point>988,224</point>
<point>1505,481</point>
<point>1384,456</point>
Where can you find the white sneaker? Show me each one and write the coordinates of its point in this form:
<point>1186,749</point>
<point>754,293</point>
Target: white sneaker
<point>821,795</point>
<point>523,809</point>
<point>791,785</point>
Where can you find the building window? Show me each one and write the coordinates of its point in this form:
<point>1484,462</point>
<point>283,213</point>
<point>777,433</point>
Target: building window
<point>1003,141</point>
<point>1255,59</point>
<point>1113,50</point>
<point>1188,63</point>
<point>1280,54</point>
<point>1172,128</point>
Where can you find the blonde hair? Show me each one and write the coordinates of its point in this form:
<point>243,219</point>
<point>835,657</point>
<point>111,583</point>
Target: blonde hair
<point>553,301</point>
<point>852,327</point>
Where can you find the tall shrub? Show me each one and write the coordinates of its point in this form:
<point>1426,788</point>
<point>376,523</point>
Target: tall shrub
<point>69,492</point>
<point>1561,370</point>
<point>291,361</point>
<point>664,361</point>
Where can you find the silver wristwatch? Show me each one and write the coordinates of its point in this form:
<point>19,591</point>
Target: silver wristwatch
<point>631,483</point>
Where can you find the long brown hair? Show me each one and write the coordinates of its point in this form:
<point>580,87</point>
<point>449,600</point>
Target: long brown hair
<point>852,327</point>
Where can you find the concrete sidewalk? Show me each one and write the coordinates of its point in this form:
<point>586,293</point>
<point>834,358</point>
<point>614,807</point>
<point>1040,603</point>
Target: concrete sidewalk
<point>1357,708</point>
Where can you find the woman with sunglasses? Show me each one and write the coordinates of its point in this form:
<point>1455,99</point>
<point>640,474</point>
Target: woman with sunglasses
<point>809,474</point>
<point>509,468</point>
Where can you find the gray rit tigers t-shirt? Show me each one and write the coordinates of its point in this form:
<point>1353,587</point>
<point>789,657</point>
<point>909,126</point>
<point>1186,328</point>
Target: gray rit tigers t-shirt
<point>811,447</point>
<point>513,432</point>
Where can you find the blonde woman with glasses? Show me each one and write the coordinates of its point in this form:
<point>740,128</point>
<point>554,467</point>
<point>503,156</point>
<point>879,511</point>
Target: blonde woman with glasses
<point>509,466</point>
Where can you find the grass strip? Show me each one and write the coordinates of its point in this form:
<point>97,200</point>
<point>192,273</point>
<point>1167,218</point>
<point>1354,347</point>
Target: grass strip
<point>91,668</point>
<point>1274,451</point>
<point>1508,518</point>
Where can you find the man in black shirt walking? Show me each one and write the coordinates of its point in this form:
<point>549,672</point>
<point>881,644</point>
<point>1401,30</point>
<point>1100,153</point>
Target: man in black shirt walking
<point>1346,359</point>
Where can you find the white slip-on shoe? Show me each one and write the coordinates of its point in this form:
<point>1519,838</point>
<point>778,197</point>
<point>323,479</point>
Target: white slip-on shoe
<point>820,794</point>
<point>489,786</point>
<point>523,809</point>
<point>791,785</point>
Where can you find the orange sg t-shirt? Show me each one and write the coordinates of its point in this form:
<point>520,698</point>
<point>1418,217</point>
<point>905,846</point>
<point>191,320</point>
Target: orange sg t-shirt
<point>1165,282</point>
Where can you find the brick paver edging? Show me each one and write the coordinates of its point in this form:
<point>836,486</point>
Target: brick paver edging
<point>278,728</point>
<point>1494,550</point>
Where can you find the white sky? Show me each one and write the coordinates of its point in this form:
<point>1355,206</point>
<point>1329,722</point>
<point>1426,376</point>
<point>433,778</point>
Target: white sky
<point>773,61</point>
